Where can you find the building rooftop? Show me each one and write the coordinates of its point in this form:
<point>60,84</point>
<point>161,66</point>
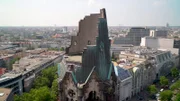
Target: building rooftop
<point>77,58</point>
<point>128,63</point>
<point>29,63</point>
<point>120,72</point>
<point>4,93</point>
<point>144,51</point>
<point>2,56</point>
<point>135,56</point>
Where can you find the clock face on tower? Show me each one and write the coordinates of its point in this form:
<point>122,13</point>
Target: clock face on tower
<point>71,93</point>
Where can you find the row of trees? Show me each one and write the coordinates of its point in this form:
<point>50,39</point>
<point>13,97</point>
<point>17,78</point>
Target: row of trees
<point>167,95</point>
<point>57,49</point>
<point>163,82</point>
<point>45,87</point>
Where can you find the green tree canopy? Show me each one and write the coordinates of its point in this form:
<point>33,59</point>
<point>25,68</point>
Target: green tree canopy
<point>40,94</point>
<point>166,95</point>
<point>163,81</point>
<point>175,85</point>
<point>50,74</point>
<point>54,49</point>
<point>177,98</point>
<point>152,89</point>
<point>174,72</point>
<point>54,89</point>
<point>62,49</point>
<point>45,87</point>
<point>41,81</point>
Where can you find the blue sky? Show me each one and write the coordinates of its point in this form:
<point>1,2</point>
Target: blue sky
<point>69,12</point>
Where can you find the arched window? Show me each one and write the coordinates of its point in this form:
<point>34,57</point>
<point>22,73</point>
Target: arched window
<point>89,42</point>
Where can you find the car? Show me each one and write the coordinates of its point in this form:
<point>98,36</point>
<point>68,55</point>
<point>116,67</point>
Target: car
<point>161,90</point>
<point>140,98</point>
<point>153,96</point>
<point>157,95</point>
<point>173,81</point>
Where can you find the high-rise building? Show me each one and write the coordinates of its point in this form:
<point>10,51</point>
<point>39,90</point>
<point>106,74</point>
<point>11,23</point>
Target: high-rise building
<point>167,25</point>
<point>133,36</point>
<point>88,31</point>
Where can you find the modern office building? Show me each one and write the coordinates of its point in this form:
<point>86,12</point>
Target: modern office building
<point>25,70</point>
<point>133,36</point>
<point>159,33</point>
<point>161,43</point>
<point>117,48</point>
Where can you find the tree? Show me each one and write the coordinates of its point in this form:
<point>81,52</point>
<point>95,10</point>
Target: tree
<point>62,49</point>
<point>175,85</point>
<point>41,81</point>
<point>177,98</point>
<point>152,89</point>
<point>174,72</point>
<point>54,89</point>
<point>166,95</point>
<point>163,81</point>
<point>45,87</point>
<point>53,49</point>
<point>50,73</point>
<point>40,94</point>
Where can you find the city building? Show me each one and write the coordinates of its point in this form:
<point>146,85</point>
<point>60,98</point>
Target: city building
<point>117,48</point>
<point>2,71</point>
<point>6,94</point>
<point>159,33</point>
<point>139,67</point>
<point>25,70</point>
<point>162,60</point>
<point>133,36</point>
<point>160,43</point>
<point>124,83</point>
<point>87,33</point>
<point>90,77</point>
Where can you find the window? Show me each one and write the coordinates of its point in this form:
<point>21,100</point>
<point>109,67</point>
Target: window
<point>89,42</point>
<point>75,43</point>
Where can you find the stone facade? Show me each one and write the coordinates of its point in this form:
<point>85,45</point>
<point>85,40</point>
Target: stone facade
<point>88,31</point>
<point>95,79</point>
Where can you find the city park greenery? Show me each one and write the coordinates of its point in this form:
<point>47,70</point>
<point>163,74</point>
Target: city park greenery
<point>164,81</point>
<point>166,95</point>
<point>174,72</point>
<point>152,89</point>
<point>174,91</point>
<point>45,87</point>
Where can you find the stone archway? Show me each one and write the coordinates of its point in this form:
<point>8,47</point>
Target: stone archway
<point>92,96</point>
